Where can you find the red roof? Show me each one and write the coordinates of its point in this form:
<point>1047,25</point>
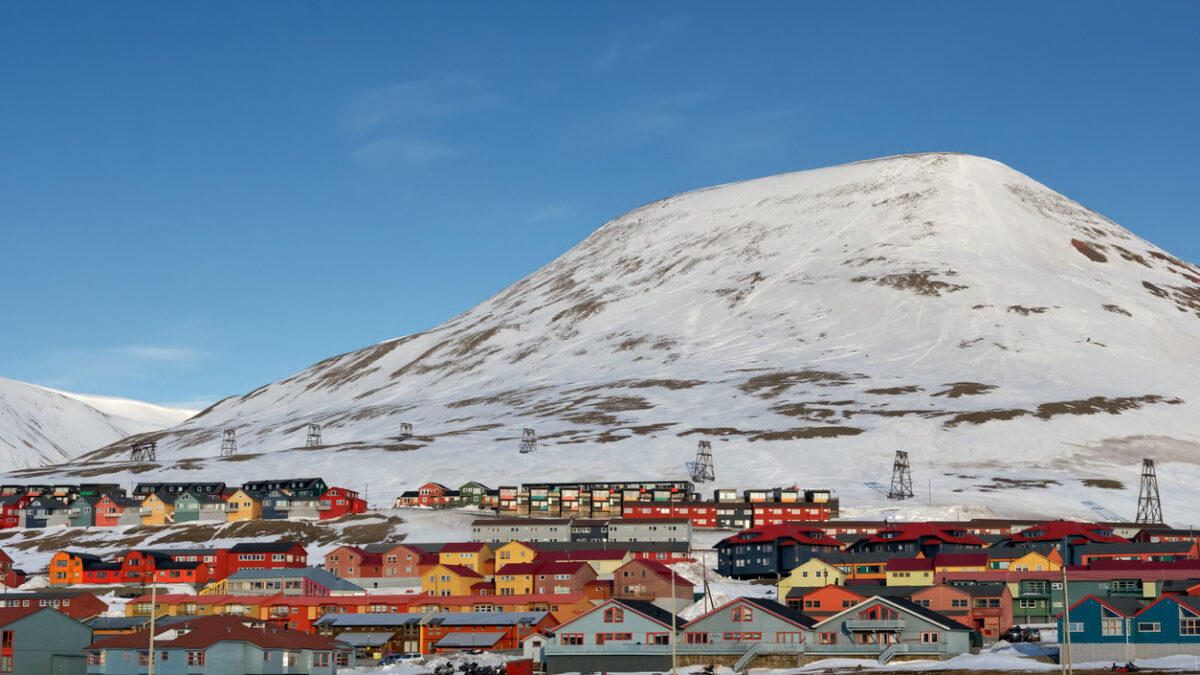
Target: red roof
<point>520,568</point>
<point>961,560</point>
<point>659,569</point>
<point>598,554</point>
<point>568,567</point>
<point>463,547</point>
<point>915,531</point>
<point>768,533</point>
<point>11,614</point>
<point>463,571</point>
<point>1062,529</point>
<point>909,565</point>
<point>203,632</point>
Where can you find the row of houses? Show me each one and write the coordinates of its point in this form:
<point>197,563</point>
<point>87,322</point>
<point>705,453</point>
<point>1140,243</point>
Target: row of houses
<point>633,499</point>
<point>775,550</point>
<point>162,503</point>
<point>190,566</point>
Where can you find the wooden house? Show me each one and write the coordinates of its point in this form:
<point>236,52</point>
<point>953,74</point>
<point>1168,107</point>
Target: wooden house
<point>824,601</point>
<point>158,509</point>
<point>40,640</point>
<point>191,507</point>
<point>475,555</point>
<point>449,580</point>
<point>742,626</point>
<point>886,628</point>
<point>337,502</point>
<point>243,505</point>
<point>771,550</point>
<point>909,572</point>
<point>513,552</point>
<point>615,636</point>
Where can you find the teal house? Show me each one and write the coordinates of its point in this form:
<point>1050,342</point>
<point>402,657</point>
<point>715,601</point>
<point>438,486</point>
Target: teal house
<point>1120,629</point>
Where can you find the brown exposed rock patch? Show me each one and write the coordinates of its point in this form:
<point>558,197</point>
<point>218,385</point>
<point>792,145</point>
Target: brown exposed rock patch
<point>1026,311</point>
<point>1089,249</point>
<point>1116,309</point>
<point>771,385</point>
<point>894,391</point>
<point>803,433</point>
<point>959,389</point>
<point>1104,483</point>
<point>920,282</point>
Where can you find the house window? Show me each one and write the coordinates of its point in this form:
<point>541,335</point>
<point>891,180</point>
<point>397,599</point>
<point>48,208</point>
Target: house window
<point>790,638</point>
<point>696,638</point>
<point>1111,627</point>
<point>657,639</point>
<point>1189,626</point>
<point>95,658</point>
<point>931,638</point>
<point>575,639</point>
<point>614,615</point>
<point>321,659</point>
<point>143,657</point>
<point>827,638</point>
<point>1075,627</point>
<point>743,614</point>
<point>1149,627</point>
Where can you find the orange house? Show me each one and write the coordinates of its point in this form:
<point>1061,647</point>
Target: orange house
<point>244,505</point>
<point>158,510</point>
<point>821,603</point>
<point>442,580</point>
<point>475,555</point>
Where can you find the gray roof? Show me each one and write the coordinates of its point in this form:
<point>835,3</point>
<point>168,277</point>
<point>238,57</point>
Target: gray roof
<point>985,590</point>
<point>486,618</point>
<point>480,639</point>
<point>1137,547</point>
<point>1126,606</point>
<point>314,574</point>
<point>784,611</point>
<point>651,610</point>
<point>368,619</point>
<point>128,622</point>
<point>364,639</point>
<point>927,613</point>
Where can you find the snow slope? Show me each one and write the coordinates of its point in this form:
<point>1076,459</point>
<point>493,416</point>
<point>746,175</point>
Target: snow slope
<point>1025,350</point>
<point>42,426</point>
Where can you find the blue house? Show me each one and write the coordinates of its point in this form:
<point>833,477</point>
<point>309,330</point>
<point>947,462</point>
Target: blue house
<point>771,550</point>
<point>41,640</point>
<point>275,504</point>
<point>618,635</point>
<point>1120,629</point>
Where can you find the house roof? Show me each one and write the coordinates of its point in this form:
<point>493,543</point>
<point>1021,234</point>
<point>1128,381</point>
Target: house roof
<point>11,614</point>
<point>365,638</point>
<point>789,531</point>
<point>462,571</point>
<point>520,568</point>
<point>909,565</point>
<point>314,574</point>
<point>591,554</point>
<point>203,632</point>
<point>1160,548</point>
<point>915,531</point>
<point>1061,529</point>
<point>927,613</point>
<point>463,547</point>
<point>982,590</point>
<point>264,547</point>
<point>487,618</point>
<point>509,522</point>
<point>658,568</point>
<point>342,620</point>
<point>961,560</point>
<point>650,610</point>
<point>782,611</point>
<point>487,639</point>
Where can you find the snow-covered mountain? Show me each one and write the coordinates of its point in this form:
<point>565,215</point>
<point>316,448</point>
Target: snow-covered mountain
<point>1026,351</point>
<point>43,426</point>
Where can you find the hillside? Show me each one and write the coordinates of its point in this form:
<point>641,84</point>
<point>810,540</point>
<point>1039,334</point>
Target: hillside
<point>42,426</point>
<point>1027,351</point>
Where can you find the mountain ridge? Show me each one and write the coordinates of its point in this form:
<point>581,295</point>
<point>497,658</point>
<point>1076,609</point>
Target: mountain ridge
<point>938,302</point>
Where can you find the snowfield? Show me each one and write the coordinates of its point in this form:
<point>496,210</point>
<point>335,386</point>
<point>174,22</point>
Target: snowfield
<point>1026,351</point>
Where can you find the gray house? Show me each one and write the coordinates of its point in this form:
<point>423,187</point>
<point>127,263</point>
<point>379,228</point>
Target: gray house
<point>82,512</point>
<point>45,512</point>
<point>887,628</point>
<point>291,581</point>
<point>649,529</point>
<point>618,635</point>
<point>193,507</point>
<point>218,645</point>
<point>536,530</point>
<point>745,629</point>
<point>43,640</point>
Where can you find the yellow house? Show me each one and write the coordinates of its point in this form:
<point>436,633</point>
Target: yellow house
<point>516,578</point>
<point>604,562</point>
<point>449,580</point>
<point>513,552</point>
<point>1037,562</point>
<point>158,510</point>
<point>909,572</point>
<point>812,574</point>
<point>243,505</point>
<point>475,555</point>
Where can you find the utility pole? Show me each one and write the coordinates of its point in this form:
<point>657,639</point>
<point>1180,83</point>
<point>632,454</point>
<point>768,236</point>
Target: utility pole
<point>1065,664</point>
<point>674,609</point>
<point>153,609</point>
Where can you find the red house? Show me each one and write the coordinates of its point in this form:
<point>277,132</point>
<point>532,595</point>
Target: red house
<point>10,507</point>
<point>75,604</point>
<point>337,502</point>
<point>109,510</point>
<point>259,556</point>
<point>8,576</point>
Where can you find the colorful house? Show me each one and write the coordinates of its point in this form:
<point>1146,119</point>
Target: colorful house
<point>191,507</point>
<point>449,580</point>
<point>10,576</point>
<point>513,552</point>
<point>244,505</point>
<point>456,631</point>
<point>742,626</point>
<point>218,644</point>
<point>1065,536</point>
<point>158,509</point>
<point>337,502</point>
<point>825,601</point>
<point>114,511</point>
<point>771,550</point>
<point>615,636</point>
<point>40,640</point>
<point>886,628</point>
<point>815,573</point>
<point>1037,561</point>
<point>604,561</point>
<point>475,555</point>
<point>913,538</point>
<point>909,572</point>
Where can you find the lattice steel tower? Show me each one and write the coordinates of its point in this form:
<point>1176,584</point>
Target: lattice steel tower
<point>1149,504</point>
<point>901,478</point>
<point>702,468</point>
<point>528,441</point>
<point>314,436</point>
<point>405,431</point>
<point>143,451</point>
<point>229,443</point>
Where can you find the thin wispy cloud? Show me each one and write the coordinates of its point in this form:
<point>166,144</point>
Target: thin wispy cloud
<point>405,102</point>
<point>549,212</point>
<point>632,46</point>
<point>409,151</point>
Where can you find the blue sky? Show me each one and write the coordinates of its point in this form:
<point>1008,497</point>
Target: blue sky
<point>199,198</point>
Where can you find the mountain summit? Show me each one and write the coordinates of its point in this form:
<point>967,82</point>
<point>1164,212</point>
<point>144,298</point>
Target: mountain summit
<point>809,323</point>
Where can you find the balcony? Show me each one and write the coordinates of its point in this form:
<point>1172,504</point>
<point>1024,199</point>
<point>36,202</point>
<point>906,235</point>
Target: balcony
<point>875,625</point>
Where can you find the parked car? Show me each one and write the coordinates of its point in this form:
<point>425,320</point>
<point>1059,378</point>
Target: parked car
<point>408,657</point>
